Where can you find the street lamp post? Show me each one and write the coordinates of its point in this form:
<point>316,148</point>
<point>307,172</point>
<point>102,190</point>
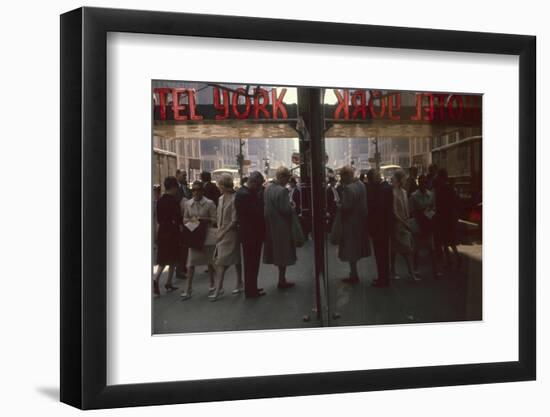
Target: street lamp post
<point>240,159</point>
<point>266,166</point>
<point>376,154</point>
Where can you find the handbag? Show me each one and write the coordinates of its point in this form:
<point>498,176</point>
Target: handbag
<point>195,238</point>
<point>297,232</point>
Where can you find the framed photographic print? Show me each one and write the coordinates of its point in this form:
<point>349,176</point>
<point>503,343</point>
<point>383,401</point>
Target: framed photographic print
<point>257,208</point>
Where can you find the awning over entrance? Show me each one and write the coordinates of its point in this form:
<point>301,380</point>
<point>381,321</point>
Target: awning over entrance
<point>223,129</point>
<point>382,128</point>
<point>218,112</point>
<point>245,129</point>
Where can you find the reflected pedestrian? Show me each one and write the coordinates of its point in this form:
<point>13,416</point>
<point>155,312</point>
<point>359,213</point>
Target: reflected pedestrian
<point>430,178</point>
<point>168,239</point>
<point>249,208</point>
<point>228,248</point>
<point>411,184</point>
<point>402,240</point>
<point>332,201</point>
<point>354,242</point>
<point>422,208</point>
<point>295,195</point>
<point>446,217</point>
<point>279,246</point>
<point>380,221</point>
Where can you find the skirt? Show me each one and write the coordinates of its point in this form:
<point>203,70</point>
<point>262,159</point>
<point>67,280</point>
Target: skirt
<point>402,240</point>
<point>204,256</point>
<point>228,250</point>
<point>168,245</point>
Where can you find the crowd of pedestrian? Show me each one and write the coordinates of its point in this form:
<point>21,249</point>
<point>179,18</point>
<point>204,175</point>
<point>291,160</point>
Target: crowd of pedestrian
<point>218,226</point>
<point>212,225</point>
<point>402,217</point>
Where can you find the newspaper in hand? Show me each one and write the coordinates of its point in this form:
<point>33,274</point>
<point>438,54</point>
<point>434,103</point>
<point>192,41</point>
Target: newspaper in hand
<point>192,224</point>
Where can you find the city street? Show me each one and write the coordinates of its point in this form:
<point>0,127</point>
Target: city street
<point>454,297</point>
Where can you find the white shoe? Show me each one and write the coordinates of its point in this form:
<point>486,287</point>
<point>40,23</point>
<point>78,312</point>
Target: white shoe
<point>185,296</point>
<point>237,290</point>
<point>216,296</point>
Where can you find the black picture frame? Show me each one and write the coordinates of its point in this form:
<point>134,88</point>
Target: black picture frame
<point>84,206</point>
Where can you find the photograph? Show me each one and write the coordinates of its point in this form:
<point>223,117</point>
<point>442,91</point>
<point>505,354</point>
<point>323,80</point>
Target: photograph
<point>274,209</point>
<point>297,207</point>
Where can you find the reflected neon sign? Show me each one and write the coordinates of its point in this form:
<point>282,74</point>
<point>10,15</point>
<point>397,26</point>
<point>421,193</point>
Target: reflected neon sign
<point>180,104</point>
<point>427,107</point>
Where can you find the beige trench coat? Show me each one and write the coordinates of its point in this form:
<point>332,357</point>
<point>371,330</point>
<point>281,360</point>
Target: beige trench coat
<point>402,239</point>
<point>203,209</point>
<point>228,250</point>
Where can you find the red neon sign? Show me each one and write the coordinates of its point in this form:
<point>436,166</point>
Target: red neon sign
<point>350,105</point>
<point>427,107</point>
<point>228,104</point>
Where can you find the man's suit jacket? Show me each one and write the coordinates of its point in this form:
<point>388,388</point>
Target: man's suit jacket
<point>183,192</point>
<point>250,214</point>
<point>296,198</point>
<point>380,207</point>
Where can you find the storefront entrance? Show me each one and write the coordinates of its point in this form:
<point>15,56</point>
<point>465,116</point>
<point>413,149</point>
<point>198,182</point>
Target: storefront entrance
<point>318,136</point>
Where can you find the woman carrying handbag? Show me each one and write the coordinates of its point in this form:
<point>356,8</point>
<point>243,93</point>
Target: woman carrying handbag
<point>200,212</point>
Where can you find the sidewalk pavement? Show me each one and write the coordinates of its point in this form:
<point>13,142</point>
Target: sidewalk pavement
<point>454,297</point>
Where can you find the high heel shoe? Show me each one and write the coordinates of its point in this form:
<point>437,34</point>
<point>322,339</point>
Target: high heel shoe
<point>237,290</point>
<point>216,295</point>
<point>170,288</point>
<point>415,276</point>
